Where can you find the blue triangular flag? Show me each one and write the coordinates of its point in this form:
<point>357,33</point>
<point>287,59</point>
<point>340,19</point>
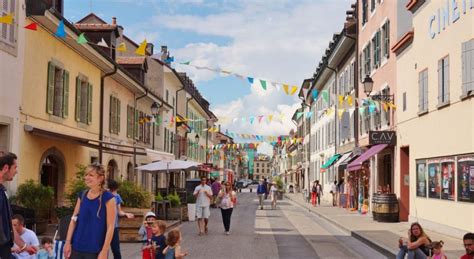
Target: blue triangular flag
<point>315,93</point>
<point>250,79</point>
<point>372,108</point>
<point>60,32</point>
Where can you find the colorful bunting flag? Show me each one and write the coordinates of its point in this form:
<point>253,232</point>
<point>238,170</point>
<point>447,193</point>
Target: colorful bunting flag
<point>325,95</point>
<point>298,115</point>
<point>293,90</point>
<point>270,117</point>
<point>7,19</point>
<point>362,110</point>
<point>185,63</point>
<point>32,26</point>
<point>102,43</point>
<point>60,32</point>
<point>81,39</point>
<point>372,108</point>
<point>141,49</point>
<point>285,87</point>
<point>264,84</point>
<point>250,80</point>
<point>251,119</point>
<point>340,112</point>
<point>260,118</point>
<point>349,100</point>
<point>315,94</point>
<point>341,99</point>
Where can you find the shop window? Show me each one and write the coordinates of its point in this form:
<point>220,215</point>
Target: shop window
<point>441,173</point>
<point>421,178</point>
<point>434,178</point>
<point>466,178</point>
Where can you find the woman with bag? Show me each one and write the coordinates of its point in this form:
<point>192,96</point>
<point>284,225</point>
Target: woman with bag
<point>226,201</point>
<point>92,224</point>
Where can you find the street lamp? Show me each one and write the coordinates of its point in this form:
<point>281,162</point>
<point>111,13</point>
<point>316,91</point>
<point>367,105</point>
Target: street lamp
<point>197,138</point>
<point>155,109</point>
<point>369,85</point>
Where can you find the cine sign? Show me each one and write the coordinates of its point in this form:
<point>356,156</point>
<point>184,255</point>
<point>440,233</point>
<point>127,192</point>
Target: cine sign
<point>382,137</point>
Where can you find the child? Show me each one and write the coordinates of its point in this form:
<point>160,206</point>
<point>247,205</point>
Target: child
<point>438,250</point>
<point>145,230</point>
<point>159,239</point>
<point>173,250</point>
<point>47,251</point>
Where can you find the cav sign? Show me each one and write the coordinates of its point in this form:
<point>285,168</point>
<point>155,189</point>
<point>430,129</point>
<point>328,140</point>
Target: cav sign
<point>383,137</point>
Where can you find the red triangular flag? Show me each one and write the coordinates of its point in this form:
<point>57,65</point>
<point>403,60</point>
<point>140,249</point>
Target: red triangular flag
<point>31,26</point>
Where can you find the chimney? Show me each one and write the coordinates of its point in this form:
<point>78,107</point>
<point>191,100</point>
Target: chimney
<point>114,21</point>
<point>164,53</point>
<point>149,48</point>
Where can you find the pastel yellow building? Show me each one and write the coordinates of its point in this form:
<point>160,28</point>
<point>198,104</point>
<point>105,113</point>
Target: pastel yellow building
<point>435,111</point>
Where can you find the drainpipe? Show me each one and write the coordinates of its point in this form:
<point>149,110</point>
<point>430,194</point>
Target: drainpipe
<point>134,116</point>
<point>101,115</point>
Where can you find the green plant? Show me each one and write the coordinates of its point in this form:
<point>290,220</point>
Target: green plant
<point>63,211</point>
<point>77,185</point>
<point>190,198</point>
<point>174,199</point>
<point>159,197</point>
<point>279,183</point>
<point>35,196</point>
<point>134,196</point>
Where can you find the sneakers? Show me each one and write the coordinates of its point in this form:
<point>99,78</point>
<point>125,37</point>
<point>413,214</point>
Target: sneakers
<point>261,208</point>
<point>227,233</point>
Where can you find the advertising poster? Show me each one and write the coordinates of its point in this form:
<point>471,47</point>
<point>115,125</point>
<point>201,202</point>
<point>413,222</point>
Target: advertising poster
<point>434,179</point>
<point>466,178</point>
<point>447,174</point>
<point>421,178</point>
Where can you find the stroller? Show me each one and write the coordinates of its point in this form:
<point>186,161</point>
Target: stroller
<point>60,236</point>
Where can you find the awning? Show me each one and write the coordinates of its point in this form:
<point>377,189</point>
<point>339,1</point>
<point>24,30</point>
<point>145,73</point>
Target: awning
<point>155,155</point>
<point>343,159</point>
<point>214,174</point>
<point>331,161</point>
<point>357,163</point>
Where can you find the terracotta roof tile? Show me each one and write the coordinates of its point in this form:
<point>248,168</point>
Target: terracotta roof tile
<point>131,60</point>
<point>95,27</point>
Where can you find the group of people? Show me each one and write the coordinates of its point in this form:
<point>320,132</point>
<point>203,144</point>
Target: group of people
<point>342,193</point>
<point>418,245</point>
<point>264,189</point>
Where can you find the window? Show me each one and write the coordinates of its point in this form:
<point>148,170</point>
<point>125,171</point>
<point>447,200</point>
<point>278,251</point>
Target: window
<point>130,120</point>
<point>83,100</point>
<point>423,91</point>
<point>376,49</point>
<point>443,80</point>
<point>167,95</point>
<point>174,108</point>
<point>372,6</point>
<point>385,108</point>
<point>404,101</point>
<point>365,9</point>
<point>57,91</point>
<point>465,171</point>
<point>351,76</point>
<point>7,31</point>
<point>114,115</point>
<point>468,67</point>
<point>421,174</point>
<point>386,39</point>
<point>367,61</point>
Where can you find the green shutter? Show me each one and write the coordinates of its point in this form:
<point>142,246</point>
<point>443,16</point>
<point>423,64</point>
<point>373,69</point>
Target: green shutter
<point>78,99</point>
<point>118,116</point>
<point>89,103</point>
<point>129,121</point>
<point>65,94</point>
<point>111,114</point>
<point>135,130</point>
<point>50,88</point>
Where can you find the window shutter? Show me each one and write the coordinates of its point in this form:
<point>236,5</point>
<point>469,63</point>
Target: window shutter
<point>129,121</point>
<point>78,99</point>
<point>470,67</point>
<point>118,115</point>
<point>425,90</point>
<point>465,55</point>
<point>89,103</point>
<point>135,130</point>
<point>440,81</point>
<point>65,94</point>
<point>446,79</point>
<point>50,88</point>
<point>111,114</point>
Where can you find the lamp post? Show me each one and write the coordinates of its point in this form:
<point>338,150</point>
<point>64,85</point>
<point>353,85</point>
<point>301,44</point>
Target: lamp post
<point>369,85</point>
<point>155,110</point>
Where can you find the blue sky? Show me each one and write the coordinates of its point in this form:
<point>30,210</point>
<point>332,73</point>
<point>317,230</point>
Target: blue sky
<point>276,40</point>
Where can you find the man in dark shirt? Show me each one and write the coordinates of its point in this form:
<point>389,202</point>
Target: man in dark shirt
<point>468,241</point>
<point>8,235</point>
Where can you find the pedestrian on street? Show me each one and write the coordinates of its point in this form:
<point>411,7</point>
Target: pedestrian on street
<point>261,192</point>
<point>417,244</point>
<point>468,242</point>
<point>273,194</point>
<point>145,231</point>
<point>27,235</point>
<point>319,192</point>
<point>333,193</point>
<point>265,182</point>
<point>8,235</point>
<point>227,198</point>
<point>216,188</point>
<point>203,195</point>
<point>173,250</point>
<point>115,245</point>
<point>314,193</point>
<point>93,222</point>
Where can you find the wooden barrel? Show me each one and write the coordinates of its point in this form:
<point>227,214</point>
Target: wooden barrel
<point>386,207</point>
<point>374,212</point>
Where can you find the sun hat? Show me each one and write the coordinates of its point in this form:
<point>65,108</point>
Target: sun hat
<point>150,214</point>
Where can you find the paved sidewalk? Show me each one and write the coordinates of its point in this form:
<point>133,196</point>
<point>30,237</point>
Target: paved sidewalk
<point>381,236</point>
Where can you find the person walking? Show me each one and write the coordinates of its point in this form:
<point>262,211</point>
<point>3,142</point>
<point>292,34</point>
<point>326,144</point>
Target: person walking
<point>333,193</point>
<point>8,235</point>
<point>261,192</point>
<point>314,193</point>
<point>265,182</point>
<point>319,192</point>
<point>227,198</point>
<point>93,222</point>
<point>115,245</point>
<point>203,195</point>
<point>273,194</point>
<point>216,188</point>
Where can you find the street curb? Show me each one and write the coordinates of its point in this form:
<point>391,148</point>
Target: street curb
<point>379,247</point>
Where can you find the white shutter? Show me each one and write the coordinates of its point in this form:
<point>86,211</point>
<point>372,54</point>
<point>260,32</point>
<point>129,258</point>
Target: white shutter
<point>425,90</point>
<point>440,81</point>
<point>446,79</point>
<point>470,67</point>
<point>465,55</point>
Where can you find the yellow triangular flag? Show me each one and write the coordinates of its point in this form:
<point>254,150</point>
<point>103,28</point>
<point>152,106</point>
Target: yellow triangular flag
<point>393,106</point>
<point>349,100</point>
<point>122,47</point>
<point>270,117</point>
<point>385,106</point>
<point>341,99</point>
<point>340,112</point>
<point>178,119</point>
<point>285,87</point>
<point>293,90</point>
<point>7,19</point>
<point>141,50</point>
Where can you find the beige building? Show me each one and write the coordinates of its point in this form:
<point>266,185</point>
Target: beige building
<point>262,167</point>
<point>12,47</point>
<point>435,85</point>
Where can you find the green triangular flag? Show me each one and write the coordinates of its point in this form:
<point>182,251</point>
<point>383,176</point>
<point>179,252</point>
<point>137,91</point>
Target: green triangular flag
<point>298,115</point>
<point>186,63</point>
<point>325,95</point>
<point>264,84</point>
<point>81,39</point>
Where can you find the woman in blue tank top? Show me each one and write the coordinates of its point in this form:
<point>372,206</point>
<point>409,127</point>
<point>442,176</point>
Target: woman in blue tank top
<point>92,225</point>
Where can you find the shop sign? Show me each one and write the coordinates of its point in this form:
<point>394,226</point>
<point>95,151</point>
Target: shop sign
<point>382,137</point>
<point>449,13</point>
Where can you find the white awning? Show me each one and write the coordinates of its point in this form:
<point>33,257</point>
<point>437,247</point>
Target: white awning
<point>342,159</point>
<point>155,155</point>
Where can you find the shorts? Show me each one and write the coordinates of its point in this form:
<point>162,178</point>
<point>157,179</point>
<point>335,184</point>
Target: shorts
<point>203,212</point>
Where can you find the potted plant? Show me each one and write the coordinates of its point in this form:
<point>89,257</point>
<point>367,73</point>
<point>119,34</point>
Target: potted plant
<point>280,189</point>
<point>39,198</point>
<point>175,212</point>
<point>191,200</point>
